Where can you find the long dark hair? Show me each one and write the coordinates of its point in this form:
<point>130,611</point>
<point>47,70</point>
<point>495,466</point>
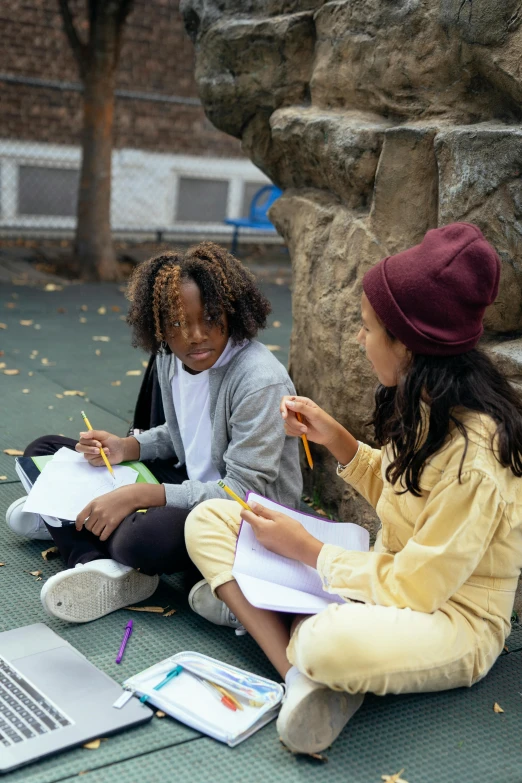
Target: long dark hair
<point>469,380</point>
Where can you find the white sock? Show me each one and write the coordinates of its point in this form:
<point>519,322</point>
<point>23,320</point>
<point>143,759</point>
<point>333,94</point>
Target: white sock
<point>291,674</point>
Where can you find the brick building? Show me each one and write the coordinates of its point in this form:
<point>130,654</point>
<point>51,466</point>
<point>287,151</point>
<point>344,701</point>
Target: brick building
<point>171,168</point>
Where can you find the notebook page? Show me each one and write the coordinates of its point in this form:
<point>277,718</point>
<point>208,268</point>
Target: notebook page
<point>253,559</point>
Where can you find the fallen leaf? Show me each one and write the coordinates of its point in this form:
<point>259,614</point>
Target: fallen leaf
<point>321,512</point>
<point>394,778</point>
<point>25,391</point>
<point>102,310</point>
<point>170,613</point>
<point>115,383</point>
<point>37,326</point>
<point>3,478</point>
<point>2,365</point>
<point>160,714</point>
<point>145,364</point>
<point>497,708</point>
<point>115,308</point>
<point>506,648</point>
<point>276,324</point>
<point>10,305</point>
<point>53,287</point>
<point>102,339</point>
<point>49,554</point>
<point>273,347</point>
<point>60,396</point>
<point>30,373</point>
<point>97,352</point>
<point>83,320</point>
<point>280,281</point>
<point>34,353</point>
<point>61,310</point>
<point>2,564</point>
<point>46,362</point>
<point>94,744</point>
<point>84,308</point>
<point>14,452</point>
<point>50,407</point>
<point>35,573</point>
<point>123,317</point>
<point>3,326</point>
<point>26,323</point>
<point>11,372</point>
<point>73,393</point>
<point>154,609</point>
<point>133,372</point>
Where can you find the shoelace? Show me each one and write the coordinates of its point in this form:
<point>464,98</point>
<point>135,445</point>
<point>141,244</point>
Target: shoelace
<point>240,630</point>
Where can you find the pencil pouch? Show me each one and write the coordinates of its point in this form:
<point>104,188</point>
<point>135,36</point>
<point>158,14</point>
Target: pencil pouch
<point>188,700</point>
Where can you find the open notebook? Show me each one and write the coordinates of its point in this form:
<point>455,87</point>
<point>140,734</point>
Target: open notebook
<point>270,581</point>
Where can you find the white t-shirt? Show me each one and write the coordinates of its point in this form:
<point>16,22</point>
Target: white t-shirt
<point>191,396</point>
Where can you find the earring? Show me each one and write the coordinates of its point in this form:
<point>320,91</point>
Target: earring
<point>163,346</point>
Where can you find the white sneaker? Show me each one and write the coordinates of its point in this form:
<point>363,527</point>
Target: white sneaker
<point>202,602</point>
<point>94,589</point>
<point>313,716</point>
<point>25,523</point>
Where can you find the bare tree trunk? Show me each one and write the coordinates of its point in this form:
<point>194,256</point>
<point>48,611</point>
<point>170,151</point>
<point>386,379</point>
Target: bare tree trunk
<point>94,245</point>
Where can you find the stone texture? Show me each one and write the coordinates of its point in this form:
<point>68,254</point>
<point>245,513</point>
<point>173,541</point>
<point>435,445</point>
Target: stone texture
<point>380,119</point>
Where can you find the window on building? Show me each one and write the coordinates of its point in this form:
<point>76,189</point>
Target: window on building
<point>202,200</point>
<point>44,190</point>
<point>249,191</point>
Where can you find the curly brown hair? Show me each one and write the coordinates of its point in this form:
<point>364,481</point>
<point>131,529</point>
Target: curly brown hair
<point>226,286</point>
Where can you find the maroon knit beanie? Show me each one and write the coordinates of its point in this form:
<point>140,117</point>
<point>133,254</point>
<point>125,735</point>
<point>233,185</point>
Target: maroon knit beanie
<point>432,297</point>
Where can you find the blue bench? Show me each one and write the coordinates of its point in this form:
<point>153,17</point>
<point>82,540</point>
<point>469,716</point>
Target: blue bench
<point>257,217</point>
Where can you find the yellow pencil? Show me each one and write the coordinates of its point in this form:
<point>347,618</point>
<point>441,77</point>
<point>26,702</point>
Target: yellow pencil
<point>233,495</point>
<point>305,444</point>
<point>104,456</point>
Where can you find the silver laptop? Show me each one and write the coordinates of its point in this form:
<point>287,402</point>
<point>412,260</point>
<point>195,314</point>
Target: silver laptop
<point>52,698</point>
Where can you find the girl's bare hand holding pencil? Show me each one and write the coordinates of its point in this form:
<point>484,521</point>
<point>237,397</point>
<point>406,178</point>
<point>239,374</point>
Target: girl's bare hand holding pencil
<point>318,426</point>
<point>117,449</point>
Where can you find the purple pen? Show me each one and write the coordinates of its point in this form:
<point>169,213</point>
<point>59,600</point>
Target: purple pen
<point>128,631</point>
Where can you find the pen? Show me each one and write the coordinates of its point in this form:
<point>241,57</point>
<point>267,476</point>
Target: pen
<point>103,455</point>
<point>305,443</point>
<point>227,695</point>
<point>128,631</point>
<point>233,495</point>
<point>170,676</point>
<point>225,698</point>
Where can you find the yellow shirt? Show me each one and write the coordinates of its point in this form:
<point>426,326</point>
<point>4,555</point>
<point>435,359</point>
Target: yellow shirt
<point>459,545</point>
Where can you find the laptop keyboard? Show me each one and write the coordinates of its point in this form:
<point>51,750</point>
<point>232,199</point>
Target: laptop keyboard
<point>24,711</point>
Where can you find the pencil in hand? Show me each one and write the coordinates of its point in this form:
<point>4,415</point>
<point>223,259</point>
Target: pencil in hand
<point>103,454</point>
<point>305,443</point>
<point>233,495</point>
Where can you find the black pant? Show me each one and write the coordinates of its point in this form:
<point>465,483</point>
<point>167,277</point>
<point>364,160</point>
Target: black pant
<point>153,542</point>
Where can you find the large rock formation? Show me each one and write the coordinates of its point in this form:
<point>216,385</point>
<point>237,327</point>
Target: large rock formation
<point>379,119</point>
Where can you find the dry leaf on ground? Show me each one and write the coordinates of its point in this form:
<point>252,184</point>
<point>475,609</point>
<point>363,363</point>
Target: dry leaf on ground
<point>145,364</point>
<point>11,372</point>
<point>102,310</point>
<point>25,391</point>
<point>30,373</point>
<point>61,310</point>
<point>83,320</point>
<point>53,287</point>
<point>60,396</point>
<point>47,363</point>
<point>115,383</point>
<point>3,326</point>
<point>170,613</point>
<point>273,347</point>
<point>3,478</point>
<point>394,778</point>
<point>14,452</point>
<point>84,308</point>
<point>280,281</point>
<point>133,372</point>
<point>35,573</point>
<point>10,305</point>
<point>160,714</point>
<point>277,324</point>
<point>73,393</point>
<point>2,564</point>
<point>115,308</point>
<point>94,744</point>
<point>506,648</point>
<point>97,352</point>
<point>497,708</point>
<point>154,609</point>
<point>37,326</point>
<point>49,554</point>
<point>2,365</point>
<point>26,323</point>
<point>101,339</point>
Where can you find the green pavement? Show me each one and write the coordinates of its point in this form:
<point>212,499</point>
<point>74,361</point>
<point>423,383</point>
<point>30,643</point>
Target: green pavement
<point>450,737</point>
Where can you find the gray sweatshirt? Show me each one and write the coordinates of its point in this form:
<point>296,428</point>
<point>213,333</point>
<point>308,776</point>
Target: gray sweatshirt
<point>249,447</point>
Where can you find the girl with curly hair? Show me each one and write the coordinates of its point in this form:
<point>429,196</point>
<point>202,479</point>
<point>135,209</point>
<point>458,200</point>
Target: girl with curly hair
<point>198,313</point>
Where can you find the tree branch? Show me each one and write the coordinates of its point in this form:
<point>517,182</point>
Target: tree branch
<point>77,46</point>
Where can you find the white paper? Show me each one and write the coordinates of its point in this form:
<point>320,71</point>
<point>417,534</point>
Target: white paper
<point>263,568</point>
<point>66,485</point>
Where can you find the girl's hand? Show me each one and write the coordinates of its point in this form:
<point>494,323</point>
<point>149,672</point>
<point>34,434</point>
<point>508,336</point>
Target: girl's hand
<point>317,425</point>
<point>282,534</point>
<point>92,441</point>
<point>103,515</point>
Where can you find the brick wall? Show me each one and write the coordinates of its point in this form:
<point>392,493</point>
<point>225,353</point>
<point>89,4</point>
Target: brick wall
<point>157,57</point>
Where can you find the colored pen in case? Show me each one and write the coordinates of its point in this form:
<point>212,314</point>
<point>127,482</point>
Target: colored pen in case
<point>216,692</point>
<point>170,676</point>
<point>126,635</point>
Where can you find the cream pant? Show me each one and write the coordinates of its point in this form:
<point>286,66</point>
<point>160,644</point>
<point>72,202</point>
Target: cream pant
<point>353,647</point>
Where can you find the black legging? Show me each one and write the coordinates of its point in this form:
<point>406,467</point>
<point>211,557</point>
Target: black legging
<point>153,542</point>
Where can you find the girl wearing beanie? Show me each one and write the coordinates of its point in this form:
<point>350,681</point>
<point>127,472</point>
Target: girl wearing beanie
<point>440,582</point>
